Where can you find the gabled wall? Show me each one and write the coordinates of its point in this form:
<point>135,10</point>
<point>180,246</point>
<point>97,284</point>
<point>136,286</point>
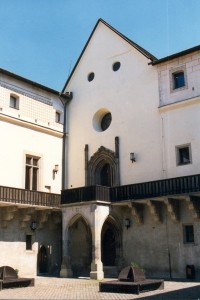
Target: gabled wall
<point>130,94</point>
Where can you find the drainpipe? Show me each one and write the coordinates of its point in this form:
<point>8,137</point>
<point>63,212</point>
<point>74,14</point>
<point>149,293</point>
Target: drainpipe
<point>65,99</point>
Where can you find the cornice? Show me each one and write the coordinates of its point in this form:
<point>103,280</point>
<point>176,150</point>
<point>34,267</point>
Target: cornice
<point>29,125</point>
<point>179,104</point>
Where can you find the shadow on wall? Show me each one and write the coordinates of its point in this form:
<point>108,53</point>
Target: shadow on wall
<point>192,293</point>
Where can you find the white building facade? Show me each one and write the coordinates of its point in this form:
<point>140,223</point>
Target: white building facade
<point>31,128</point>
<point>124,150</point>
<point>133,185</point>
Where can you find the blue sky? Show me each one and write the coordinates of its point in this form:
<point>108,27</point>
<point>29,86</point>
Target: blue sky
<point>42,39</point>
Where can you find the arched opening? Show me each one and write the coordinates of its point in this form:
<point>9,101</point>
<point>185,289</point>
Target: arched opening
<point>43,260</point>
<point>111,243</point>
<point>80,247</point>
<point>105,175</point>
<point>109,248</point>
<point>102,168</point>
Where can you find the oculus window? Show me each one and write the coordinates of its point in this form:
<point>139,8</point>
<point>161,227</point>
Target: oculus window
<point>90,76</point>
<point>116,66</point>
<point>106,121</point>
<point>102,120</point>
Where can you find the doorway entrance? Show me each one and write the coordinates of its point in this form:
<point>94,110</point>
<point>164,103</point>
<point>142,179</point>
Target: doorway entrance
<point>43,260</point>
<point>108,248</point>
<point>80,247</point>
<point>105,175</point>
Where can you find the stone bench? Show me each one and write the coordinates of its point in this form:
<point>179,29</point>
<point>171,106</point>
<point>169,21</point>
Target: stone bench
<point>9,278</point>
<point>131,280</point>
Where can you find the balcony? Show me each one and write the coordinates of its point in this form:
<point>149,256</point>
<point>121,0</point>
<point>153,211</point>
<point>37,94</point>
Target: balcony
<point>21,196</point>
<point>151,189</point>
<point>84,194</point>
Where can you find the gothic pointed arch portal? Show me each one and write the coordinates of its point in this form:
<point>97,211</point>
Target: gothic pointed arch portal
<point>80,247</point>
<point>111,242</point>
<point>103,166</point>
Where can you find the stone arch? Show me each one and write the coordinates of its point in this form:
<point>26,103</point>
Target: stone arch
<point>80,246</point>
<point>111,242</point>
<point>43,260</point>
<point>103,168</point>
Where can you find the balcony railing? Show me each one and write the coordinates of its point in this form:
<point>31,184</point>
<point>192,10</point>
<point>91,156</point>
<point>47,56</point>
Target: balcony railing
<point>83,194</point>
<point>158,188</point>
<point>20,196</point>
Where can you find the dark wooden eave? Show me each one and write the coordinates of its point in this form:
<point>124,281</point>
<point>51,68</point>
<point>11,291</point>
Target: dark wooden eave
<point>173,56</point>
<point>136,46</point>
<point>35,84</point>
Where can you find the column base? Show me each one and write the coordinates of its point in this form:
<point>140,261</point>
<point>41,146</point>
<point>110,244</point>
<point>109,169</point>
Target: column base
<point>97,275</point>
<point>66,273</point>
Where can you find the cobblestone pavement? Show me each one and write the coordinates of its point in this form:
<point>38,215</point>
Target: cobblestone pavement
<point>63,288</point>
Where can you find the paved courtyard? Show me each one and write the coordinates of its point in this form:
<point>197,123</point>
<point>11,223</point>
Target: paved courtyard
<point>62,288</point>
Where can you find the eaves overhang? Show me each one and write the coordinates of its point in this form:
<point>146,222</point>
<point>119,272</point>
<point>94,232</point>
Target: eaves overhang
<point>176,55</point>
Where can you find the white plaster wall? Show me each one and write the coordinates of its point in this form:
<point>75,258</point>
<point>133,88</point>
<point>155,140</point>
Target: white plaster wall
<point>35,105</point>
<point>181,126</point>
<point>191,63</point>
<point>16,143</point>
<point>130,94</point>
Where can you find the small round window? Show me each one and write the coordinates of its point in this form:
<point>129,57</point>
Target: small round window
<point>102,119</point>
<point>91,76</point>
<point>105,122</point>
<point>116,66</point>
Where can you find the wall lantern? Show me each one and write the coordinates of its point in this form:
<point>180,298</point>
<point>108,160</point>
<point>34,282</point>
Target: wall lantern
<point>56,169</point>
<point>132,157</point>
<point>33,225</point>
<point>127,223</point>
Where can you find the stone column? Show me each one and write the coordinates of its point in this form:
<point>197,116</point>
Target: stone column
<point>66,270</point>
<point>99,214</point>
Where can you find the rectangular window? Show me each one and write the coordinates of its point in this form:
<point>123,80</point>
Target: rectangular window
<point>14,102</point>
<point>28,242</point>
<point>183,155</point>
<point>31,173</point>
<point>188,234</point>
<point>58,117</point>
<point>179,80</point>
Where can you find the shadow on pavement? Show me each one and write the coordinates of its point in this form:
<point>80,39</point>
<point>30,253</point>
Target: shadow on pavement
<point>192,293</point>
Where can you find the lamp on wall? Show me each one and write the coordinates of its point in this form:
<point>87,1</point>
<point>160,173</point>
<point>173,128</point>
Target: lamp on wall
<point>127,223</point>
<point>56,169</point>
<point>33,225</point>
<point>132,157</point>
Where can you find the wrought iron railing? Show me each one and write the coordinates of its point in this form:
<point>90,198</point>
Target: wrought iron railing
<point>158,188</point>
<point>21,196</point>
<point>88,193</point>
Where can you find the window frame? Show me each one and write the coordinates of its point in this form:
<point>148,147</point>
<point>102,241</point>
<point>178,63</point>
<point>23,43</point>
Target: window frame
<point>32,177</point>
<point>173,72</point>
<point>179,161</point>
<point>58,117</point>
<point>188,238</point>
<point>29,242</point>
<point>15,99</point>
